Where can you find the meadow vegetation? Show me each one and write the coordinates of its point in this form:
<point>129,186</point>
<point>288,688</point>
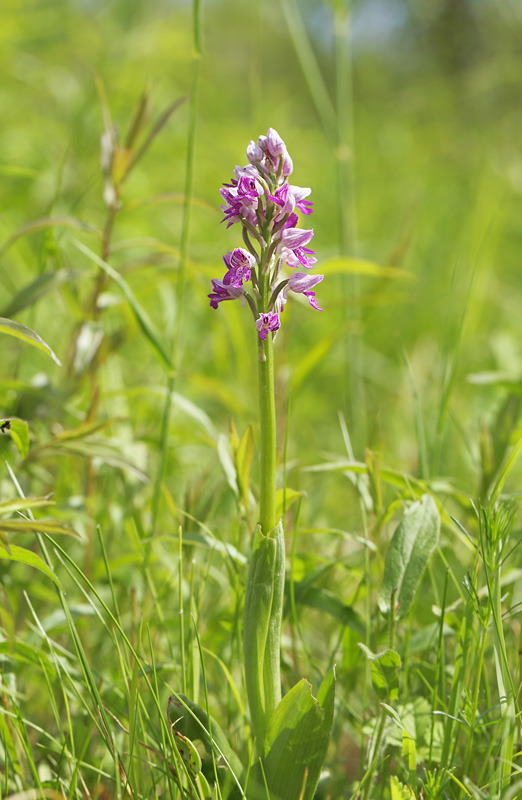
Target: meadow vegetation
<point>129,470</point>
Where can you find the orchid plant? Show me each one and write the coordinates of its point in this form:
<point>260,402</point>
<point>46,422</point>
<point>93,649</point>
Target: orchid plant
<point>291,733</point>
<point>264,203</point>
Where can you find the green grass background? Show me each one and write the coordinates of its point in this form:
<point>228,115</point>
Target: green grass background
<point>410,140</point>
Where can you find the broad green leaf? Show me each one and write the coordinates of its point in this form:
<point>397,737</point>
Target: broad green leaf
<point>409,551</point>
<point>399,791</point>
<point>360,266</point>
<point>19,430</point>
<point>23,556</point>
<point>187,751</point>
<point>297,740</point>
<point>141,316</point>
<point>385,667</point>
<point>11,328</point>
<point>262,627</point>
<point>409,754</point>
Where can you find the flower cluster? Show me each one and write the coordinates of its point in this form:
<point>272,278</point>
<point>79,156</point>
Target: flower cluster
<point>260,198</point>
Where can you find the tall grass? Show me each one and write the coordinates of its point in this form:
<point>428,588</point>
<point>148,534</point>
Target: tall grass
<point>407,385</point>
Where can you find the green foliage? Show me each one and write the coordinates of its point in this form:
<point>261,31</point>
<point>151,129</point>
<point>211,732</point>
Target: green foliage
<point>404,119</point>
<point>297,740</point>
<point>11,328</point>
<point>410,549</point>
<point>262,628</point>
<point>384,668</point>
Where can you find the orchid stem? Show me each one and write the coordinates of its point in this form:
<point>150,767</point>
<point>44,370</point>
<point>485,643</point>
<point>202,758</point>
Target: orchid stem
<point>267,416</point>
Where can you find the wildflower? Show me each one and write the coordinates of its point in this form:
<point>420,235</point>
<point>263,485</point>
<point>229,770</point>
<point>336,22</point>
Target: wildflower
<point>223,291</point>
<point>301,283</point>
<point>266,323</point>
<point>260,198</point>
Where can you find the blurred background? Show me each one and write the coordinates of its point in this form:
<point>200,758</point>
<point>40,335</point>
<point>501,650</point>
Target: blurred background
<point>404,117</point>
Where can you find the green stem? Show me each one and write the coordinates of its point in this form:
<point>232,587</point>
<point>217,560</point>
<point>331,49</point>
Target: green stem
<point>267,417</point>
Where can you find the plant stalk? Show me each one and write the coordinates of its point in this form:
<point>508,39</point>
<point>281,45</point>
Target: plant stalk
<point>267,418</point>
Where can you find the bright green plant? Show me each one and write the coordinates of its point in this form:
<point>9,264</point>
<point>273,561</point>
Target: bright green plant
<point>291,734</point>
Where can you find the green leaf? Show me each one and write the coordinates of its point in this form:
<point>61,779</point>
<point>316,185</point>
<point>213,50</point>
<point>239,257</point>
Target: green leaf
<point>187,751</point>
<point>286,498</point>
<point>19,430</point>
<point>23,556</point>
<point>262,627</point>
<point>399,791</point>
<point>323,600</point>
<point>411,546</point>
<point>156,128</point>
<point>11,328</point>
<point>297,740</point>
<point>504,472</point>
<point>50,526</point>
<point>23,503</point>
<point>385,667</point>
<point>191,721</point>
<point>409,751</point>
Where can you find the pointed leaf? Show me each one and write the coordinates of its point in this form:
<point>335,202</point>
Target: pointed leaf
<point>297,740</point>
<point>399,791</point>
<point>411,546</point>
<point>156,128</point>
<point>384,668</point>
<point>23,503</point>
<point>11,328</point>
<point>262,627</point>
<point>19,430</point>
<point>50,526</point>
<point>23,556</point>
<point>286,498</point>
<point>504,472</point>
<point>191,721</point>
<point>138,120</point>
